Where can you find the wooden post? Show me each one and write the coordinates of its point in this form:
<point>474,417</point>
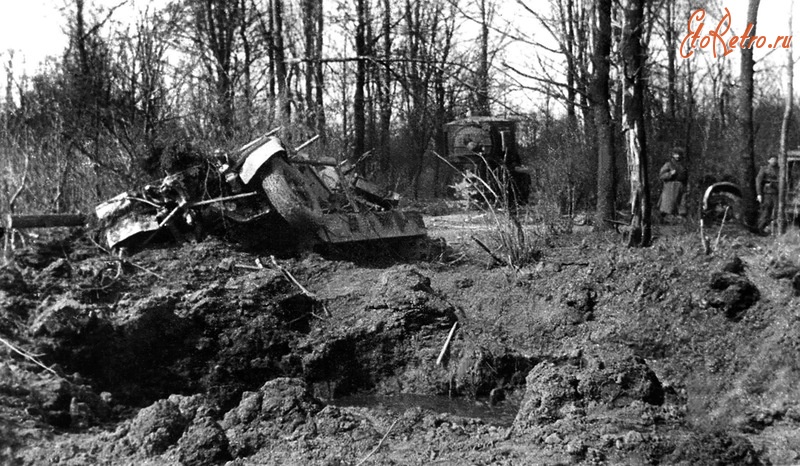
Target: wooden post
<point>446,344</point>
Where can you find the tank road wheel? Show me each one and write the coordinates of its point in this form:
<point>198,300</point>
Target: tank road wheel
<point>290,196</point>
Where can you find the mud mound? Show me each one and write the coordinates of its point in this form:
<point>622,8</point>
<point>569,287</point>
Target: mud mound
<point>627,362</point>
<point>387,343</point>
<point>278,409</point>
<point>204,442</point>
<point>715,448</point>
<point>732,294</point>
<point>62,317</point>
<point>554,391</point>
<point>177,430</point>
<point>226,336</point>
<point>157,427</point>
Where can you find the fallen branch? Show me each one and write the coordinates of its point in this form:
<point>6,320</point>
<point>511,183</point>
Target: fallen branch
<point>45,221</point>
<point>489,251</point>
<point>221,199</point>
<point>258,266</point>
<point>363,460</point>
<point>29,357</point>
<point>122,260</point>
<point>722,225</point>
<point>247,267</point>
<point>160,277</point>
<point>296,283</point>
<point>446,343</point>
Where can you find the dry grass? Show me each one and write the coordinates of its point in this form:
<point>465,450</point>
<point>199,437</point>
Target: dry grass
<point>508,241</point>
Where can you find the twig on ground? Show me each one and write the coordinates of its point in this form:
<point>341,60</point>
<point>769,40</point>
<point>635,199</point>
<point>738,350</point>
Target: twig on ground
<point>298,319</point>
<point>446,344</point>
<point>247,267</point>
<point>29,357</point>
<point>296,283</point>
<point>122,260</point>
<point>721,226</point>
<point>291,278</point>
<point>363,460</point>
<point>489,251</point>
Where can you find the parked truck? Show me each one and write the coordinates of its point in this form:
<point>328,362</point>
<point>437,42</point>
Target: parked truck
<point>484,150</point>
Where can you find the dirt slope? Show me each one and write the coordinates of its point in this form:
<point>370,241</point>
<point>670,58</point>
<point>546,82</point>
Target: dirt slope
<point>613,355</point>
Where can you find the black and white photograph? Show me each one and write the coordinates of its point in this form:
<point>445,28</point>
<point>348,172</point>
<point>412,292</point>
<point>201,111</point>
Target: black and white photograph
<point>410,232</point>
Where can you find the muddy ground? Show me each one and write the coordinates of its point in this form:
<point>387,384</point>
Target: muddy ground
<point>602,354</point>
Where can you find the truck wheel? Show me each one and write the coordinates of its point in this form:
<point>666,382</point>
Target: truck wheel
<point>289,195</point>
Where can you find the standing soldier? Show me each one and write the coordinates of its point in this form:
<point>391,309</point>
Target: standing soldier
<point>673,175</point>
<point>767,191</point>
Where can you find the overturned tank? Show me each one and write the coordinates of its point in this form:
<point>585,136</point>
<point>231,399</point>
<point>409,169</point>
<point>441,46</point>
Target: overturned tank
<point>262,195</point>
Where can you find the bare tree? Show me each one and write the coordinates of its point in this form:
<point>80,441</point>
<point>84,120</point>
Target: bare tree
<point>362,50</point>
<point>314,79</point>
<point>384,94</point>
<point>486,12</point>
<point>747,168</point>
<point>278,55</point>
<point>670,34</point>
<point>633,67</point>
<point>216,23</point>
<point>319,77</point>
<point>606,166</point>
<point>787,118</point>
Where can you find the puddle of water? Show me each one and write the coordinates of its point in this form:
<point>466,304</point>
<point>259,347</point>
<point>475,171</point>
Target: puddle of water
<point>502,414</point>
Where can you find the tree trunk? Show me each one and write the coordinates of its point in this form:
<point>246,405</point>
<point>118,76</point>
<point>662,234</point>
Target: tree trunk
<point>633,57</point>
<point>309,37</point>
<point>267,31</point>
<point>217,23</point>
<point>282,109</point>
<point>359,117</point>
<point>606,163</point>
<point>787,118</point>
<point>670,61</point>
<point>440,136</point>
<point>385,96</point>
<point>319,76</point>
<point>248,53</point>
<point>484,108</point>
<point>569,31</point>
<point>345,128</point>
<point>747,156</point>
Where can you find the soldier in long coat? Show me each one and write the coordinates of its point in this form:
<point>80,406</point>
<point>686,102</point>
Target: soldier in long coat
<point>767,192</point>
<point>673,175</point>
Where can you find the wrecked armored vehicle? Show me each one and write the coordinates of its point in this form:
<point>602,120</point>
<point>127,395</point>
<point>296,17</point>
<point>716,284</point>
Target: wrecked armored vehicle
<point>262,196</point>
<point>484,150</point>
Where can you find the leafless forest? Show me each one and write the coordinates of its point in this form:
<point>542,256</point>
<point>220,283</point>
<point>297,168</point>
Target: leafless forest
<point>133,97</point>
<point>399,329</point>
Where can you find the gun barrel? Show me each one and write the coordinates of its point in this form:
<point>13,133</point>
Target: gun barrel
<point>45,221</point>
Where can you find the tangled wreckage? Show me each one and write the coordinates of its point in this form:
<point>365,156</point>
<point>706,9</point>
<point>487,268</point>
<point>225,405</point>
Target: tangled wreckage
<point>263,195</point>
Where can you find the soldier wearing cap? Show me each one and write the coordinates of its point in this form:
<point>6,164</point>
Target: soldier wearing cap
<point>767,191</point>
<point>673,175</point>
